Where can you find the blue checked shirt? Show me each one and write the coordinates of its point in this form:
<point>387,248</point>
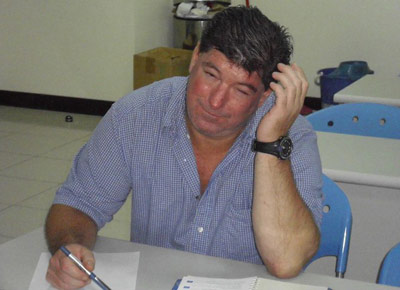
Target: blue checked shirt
<point>142,145</point>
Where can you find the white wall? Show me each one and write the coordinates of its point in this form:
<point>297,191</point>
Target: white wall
<point>328,32</point>
<point>153,24</point>
<point>84,48</point>
<point>77,48</point>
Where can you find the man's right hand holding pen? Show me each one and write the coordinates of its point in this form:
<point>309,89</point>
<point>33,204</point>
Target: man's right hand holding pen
<point>62,272</point>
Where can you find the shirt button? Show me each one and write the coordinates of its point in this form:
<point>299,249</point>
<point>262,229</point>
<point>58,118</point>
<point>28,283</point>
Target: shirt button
<point>200,229</point>
<point>184,160</point>
<point>188,136</point>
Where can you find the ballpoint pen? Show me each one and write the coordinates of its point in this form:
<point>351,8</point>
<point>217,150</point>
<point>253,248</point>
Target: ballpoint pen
<point>80,265</point>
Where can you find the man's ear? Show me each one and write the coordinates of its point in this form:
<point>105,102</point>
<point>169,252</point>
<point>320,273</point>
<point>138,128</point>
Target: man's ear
<point>195,57</point>
<point>264,97</point>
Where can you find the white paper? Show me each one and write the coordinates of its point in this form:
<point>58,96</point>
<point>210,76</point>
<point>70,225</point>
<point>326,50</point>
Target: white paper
<point>202,283</point>
<point>117,270</point>
<point>251,283</point>
<point>264,284</point>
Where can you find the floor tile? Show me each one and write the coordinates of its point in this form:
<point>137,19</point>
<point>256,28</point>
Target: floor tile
<point>14,190</point>
<point>14,113</point>
<point>58,131</point>
<point>40,169</point>
<point>3,206</point>
<point>4,239</point>
<point>42,200</point>
<point>24,143</point>
<point>23,219</point>
<point>4,134</point>
<point>12,127</point>
<point>8,159</point>
<point>67,151</point>
<point>36,151</point>
<point>58,119</point>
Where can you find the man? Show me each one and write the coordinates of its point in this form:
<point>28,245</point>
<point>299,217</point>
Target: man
<point>184,148</point>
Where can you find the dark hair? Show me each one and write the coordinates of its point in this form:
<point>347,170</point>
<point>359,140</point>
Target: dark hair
<point>249,39</point>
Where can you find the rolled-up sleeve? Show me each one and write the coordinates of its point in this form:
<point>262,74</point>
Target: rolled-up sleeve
<point>98,182</point>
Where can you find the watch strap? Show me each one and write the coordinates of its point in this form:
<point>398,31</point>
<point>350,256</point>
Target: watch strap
<point>280,148</point>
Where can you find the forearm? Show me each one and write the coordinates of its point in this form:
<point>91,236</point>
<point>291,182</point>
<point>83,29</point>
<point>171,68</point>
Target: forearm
<point>66,225</point>
<point>285,232</point>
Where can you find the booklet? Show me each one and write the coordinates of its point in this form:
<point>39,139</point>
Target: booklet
<point>250,283</point>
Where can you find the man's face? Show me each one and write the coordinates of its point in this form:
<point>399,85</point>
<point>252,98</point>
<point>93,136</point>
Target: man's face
<point>221,96</point>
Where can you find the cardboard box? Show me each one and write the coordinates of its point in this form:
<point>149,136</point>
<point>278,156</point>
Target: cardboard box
<point>160,63</point>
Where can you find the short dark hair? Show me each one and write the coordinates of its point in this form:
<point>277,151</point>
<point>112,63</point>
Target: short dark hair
<point>249,39</point>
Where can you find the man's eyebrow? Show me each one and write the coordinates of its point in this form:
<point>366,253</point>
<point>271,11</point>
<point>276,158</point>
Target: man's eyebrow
<point>213,66</point>
<point>251,87</point>
<point>210,64</point>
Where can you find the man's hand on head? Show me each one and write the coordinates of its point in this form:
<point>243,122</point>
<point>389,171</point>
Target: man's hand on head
<point>290,89</point>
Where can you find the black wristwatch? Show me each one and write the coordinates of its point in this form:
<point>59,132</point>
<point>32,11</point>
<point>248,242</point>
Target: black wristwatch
<point>281,148</point>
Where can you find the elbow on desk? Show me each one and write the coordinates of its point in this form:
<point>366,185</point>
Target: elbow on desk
<point>291,267</point>
<point>284,270</point>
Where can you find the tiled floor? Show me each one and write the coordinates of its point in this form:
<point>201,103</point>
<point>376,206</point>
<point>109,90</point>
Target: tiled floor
<point>36,151</point>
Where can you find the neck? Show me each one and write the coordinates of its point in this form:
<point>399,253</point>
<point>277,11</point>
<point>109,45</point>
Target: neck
<point>203,142</point>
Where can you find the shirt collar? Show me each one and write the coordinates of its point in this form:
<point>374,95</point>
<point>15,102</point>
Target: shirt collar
<point>176,107</point>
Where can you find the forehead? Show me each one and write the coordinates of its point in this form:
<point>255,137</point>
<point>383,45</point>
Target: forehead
<point>217,60</point>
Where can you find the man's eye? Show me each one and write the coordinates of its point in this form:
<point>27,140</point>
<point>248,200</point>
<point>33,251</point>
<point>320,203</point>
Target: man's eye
<point>210,74</point>
<point>242,92</point>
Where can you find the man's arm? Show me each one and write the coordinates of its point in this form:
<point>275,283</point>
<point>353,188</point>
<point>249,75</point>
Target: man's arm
<point>285,232</point>
<point>68,226</point>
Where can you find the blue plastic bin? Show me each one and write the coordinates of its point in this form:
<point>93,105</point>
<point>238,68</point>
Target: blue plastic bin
<point>332,80</point>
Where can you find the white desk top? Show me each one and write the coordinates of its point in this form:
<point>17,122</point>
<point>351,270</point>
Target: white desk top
<point>359,159</point>
<point>159,268</point>
<point>371,89</point>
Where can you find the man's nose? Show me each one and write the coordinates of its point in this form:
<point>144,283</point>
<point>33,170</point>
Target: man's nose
<point>218,96</point>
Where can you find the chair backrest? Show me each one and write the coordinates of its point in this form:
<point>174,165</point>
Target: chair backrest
<point>335,227</point>
<point>366,119</point>
<point>389,273</point>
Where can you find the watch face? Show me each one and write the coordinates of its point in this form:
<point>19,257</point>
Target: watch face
<point>285,147</point>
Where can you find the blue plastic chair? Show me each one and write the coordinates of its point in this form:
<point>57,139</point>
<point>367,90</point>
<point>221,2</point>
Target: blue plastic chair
<point>366,119</point>
<point>336,226</point>
<point>389,273</point>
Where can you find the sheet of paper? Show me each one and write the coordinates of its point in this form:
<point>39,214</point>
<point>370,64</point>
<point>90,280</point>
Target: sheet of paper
<point>117,270</point>
<point>265,284</point>
<point>202,283</point>
<point>251,283</point>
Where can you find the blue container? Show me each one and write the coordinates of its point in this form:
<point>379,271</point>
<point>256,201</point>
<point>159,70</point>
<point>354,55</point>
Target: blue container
<point>332,80</point>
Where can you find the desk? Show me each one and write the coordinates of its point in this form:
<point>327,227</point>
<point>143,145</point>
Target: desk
<point>368,171</point>
<point>158,267</point>
<point>371,89</point>
<point>360,160</point>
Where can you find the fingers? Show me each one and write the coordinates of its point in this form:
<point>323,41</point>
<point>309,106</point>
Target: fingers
<point>292,85</point>
<point>301,75</point>
<point>62,273</point>
<point>87,259</point>
<point>290,88</point>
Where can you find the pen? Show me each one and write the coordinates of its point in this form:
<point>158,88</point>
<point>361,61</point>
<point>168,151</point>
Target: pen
<point>80,265</point>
